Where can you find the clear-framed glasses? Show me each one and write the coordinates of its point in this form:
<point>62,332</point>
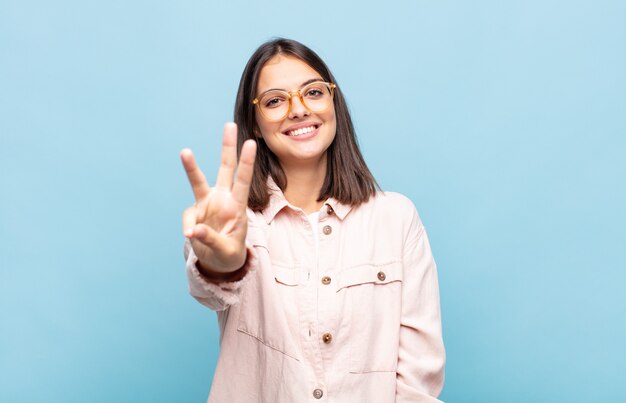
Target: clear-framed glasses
<point>275,105</point>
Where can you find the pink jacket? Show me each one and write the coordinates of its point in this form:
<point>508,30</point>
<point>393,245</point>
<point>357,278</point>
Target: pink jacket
<point>358,322</point>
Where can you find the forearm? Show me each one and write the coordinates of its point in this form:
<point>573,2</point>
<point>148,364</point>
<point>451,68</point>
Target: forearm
<point>421,357</point>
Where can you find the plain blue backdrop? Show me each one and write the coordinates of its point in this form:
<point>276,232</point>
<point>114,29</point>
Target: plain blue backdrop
<point>504,122</point>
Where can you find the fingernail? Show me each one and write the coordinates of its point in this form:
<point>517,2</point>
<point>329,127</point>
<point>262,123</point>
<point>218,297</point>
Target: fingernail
<point>188,233</point>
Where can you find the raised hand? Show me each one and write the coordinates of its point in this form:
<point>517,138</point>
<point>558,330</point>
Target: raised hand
<point>217,223</point>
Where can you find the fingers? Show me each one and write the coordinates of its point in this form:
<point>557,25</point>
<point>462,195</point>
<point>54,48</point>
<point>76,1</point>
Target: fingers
<point>194,230</point>
<point>241,188</point>
<point>189,221</point>
<point>229,157</point>
<point>196,178</point>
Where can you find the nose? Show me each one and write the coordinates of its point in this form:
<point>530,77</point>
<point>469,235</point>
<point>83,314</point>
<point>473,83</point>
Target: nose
<point>298,110</point>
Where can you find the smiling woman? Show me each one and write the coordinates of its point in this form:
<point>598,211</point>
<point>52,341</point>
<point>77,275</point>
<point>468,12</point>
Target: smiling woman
<point>346,176</point>
<point>306,123</point>
<point>325,287</point>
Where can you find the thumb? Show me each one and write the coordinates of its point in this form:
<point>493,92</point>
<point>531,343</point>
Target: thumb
<point>204,234</point>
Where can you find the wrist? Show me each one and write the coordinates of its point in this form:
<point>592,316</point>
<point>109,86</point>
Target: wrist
<point>221,277</point>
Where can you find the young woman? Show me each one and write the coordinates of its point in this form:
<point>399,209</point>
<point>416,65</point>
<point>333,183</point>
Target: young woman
<point>325,288</point>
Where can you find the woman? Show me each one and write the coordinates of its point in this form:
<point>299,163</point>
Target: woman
<point>325,288</point>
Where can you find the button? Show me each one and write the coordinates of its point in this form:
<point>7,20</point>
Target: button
<point>317,393</point>
<point>325,280</point>
<point>381,276</point>
<point>329,209</point>
<point>327,229</point>
<point>327,338</point>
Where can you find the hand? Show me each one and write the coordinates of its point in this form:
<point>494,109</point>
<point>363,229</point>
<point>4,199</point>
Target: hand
<point>217,223</point>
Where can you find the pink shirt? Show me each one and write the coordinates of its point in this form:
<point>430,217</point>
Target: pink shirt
<point>357,322</point>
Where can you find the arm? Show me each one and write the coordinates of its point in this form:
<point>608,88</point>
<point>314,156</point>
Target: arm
<point>421,354</point>
<point>216,225</point>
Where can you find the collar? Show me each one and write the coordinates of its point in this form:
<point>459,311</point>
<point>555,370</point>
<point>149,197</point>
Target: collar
<point>278,202</point>
<point>341,210</point>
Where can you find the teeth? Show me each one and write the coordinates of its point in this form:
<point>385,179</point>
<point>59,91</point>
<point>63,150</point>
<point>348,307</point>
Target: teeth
<point>304,130</point>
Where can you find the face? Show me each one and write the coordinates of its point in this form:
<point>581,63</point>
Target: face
<point>302,137</point>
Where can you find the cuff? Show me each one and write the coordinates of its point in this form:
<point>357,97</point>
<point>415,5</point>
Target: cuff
<point>225,289</point>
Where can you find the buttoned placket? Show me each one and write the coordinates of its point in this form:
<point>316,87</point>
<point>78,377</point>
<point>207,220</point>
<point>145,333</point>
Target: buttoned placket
<point>329,231</point>
<point>317,303</point>
<point>308,307</point>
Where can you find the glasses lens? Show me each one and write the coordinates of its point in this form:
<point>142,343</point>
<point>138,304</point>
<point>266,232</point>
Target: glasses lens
<point>317,96</point>
<point>274,105</point>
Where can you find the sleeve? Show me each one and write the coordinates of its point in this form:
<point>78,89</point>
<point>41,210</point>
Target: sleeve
<point>216,296</point>
<point>421,354</point>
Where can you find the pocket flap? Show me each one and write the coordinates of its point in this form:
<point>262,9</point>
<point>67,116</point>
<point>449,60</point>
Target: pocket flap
<point>377,274</point>
<point>287,275</point>
<point>255,237</point>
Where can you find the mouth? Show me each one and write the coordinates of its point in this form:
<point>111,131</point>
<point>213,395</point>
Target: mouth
<point>301,130</point>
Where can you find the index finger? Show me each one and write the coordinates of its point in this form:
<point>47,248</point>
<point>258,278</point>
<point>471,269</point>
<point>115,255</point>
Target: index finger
<point>196,178</point>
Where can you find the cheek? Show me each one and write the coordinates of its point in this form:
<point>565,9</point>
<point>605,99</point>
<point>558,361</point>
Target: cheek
<point>263,128</point>
<point>268,132</point>
<point>332,116</point>
<point>332,122</point>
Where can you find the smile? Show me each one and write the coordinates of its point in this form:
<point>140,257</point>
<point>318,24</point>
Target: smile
<point>303,130</point>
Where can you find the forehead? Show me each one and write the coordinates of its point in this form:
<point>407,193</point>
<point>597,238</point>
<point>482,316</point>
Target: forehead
<point>284,72</point>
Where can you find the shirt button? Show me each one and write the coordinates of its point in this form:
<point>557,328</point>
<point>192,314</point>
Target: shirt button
<point>317,393</point>
<point>381,276</point>
<point>325,280</point>
<point>327,338</point>
<point>327,229</point>
<point>329,209</point>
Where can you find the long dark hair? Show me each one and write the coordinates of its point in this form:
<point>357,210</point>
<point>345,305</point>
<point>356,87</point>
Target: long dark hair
<point>348,179</point>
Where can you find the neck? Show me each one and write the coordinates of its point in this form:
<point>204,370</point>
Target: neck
<point>304,184</point>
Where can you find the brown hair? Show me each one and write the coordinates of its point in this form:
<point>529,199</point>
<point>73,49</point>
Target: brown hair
<point>347,177</point>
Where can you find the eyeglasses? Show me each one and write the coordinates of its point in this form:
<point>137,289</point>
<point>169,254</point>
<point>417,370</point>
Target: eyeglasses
<point>275,105</point>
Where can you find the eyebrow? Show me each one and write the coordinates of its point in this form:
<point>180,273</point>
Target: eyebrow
<point>307,82</point>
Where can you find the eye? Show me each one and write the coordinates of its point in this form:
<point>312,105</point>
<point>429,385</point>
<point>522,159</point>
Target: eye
<point>273,101</point>
<point>314,92</point>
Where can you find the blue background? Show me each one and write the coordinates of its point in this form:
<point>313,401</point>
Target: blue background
<point>503,121</point>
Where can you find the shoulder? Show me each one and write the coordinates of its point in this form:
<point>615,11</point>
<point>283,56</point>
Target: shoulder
<point>390,209</point>
<point>394,199</point>
<point>391,203</point>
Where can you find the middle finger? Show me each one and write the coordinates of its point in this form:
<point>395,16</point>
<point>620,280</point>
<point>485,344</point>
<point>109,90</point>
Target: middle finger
<point>229,157</point>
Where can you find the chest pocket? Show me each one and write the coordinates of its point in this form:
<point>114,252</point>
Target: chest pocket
<point>262,313</point>
<point>375,296</point>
